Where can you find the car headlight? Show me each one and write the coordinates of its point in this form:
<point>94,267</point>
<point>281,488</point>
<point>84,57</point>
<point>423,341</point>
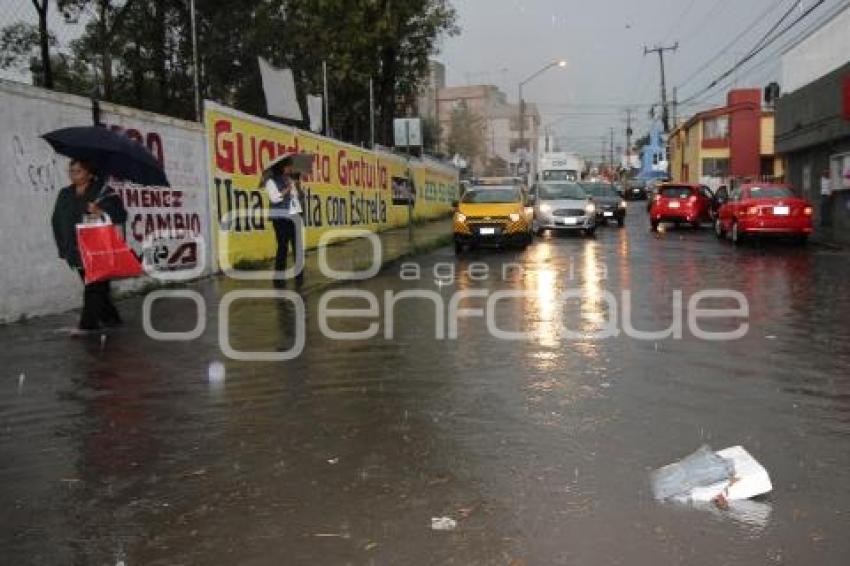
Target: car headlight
<point>545,208</point>
<point>623,204</point>
<point>460,217</point>
<point>514,217</point>
<point>590,208</point>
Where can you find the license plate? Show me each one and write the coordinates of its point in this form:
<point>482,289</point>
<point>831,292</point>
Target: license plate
<point>636,191</point>
<point>607,214</point>
<point>673,204</point>
<point>487,231</point>
<point>781,210</point>
<point>570,221</point>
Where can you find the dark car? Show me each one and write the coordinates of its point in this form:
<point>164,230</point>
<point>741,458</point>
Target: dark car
<point>634,190</point>
<point>609,204</point>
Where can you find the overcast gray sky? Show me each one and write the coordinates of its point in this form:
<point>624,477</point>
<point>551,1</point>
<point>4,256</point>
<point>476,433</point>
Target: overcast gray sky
<point>504,41</point>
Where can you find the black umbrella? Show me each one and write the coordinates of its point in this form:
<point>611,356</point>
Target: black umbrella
<point>111,153</point>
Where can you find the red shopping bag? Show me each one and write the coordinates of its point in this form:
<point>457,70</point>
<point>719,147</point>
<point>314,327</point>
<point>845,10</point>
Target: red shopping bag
<point>104,253</point>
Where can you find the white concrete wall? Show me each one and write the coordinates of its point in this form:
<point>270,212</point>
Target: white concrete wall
<point>33,281</point>
<point>181,146</point>
<point>825,50</point>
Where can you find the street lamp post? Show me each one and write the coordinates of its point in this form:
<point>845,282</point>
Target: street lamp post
<point>561,64</point>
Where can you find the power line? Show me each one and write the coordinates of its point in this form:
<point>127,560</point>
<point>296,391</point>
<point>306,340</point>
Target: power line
<point>771,58</point>
<point>747,29</point>
<point>762,45</point>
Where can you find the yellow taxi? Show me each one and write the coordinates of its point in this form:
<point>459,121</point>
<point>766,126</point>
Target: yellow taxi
<point>495,215</point>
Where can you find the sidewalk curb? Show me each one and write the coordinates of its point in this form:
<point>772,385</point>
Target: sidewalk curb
<point>418,248</point>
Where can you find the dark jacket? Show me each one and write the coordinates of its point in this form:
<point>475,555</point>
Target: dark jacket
<point>70,210</point>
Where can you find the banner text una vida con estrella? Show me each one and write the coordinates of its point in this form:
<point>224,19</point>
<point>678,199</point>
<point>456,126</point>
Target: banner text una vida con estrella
<point>244,210</point>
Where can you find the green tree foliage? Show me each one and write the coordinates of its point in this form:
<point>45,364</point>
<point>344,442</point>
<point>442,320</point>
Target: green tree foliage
<point>139,52</point>
<point>466,134</point>
<point>19,43</point>
<point>431,134</point>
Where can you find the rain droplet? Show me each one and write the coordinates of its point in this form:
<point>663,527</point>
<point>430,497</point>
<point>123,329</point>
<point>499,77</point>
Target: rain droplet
<point>216,373</point>
<point>21,379</point>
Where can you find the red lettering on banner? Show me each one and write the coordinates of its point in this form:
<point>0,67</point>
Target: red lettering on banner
<point>131,197</point>
<point>138,235</point>
<point>326,169</point>
<point>267,147</point>
<point>249,168</point>
<point>341,168</point>
<point>224,161</point>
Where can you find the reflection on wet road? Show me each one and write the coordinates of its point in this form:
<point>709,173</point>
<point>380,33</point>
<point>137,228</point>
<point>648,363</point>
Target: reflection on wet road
<point>540,448</point>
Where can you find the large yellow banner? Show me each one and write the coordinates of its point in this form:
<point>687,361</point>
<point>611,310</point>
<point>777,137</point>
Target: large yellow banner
<point>349,187</point>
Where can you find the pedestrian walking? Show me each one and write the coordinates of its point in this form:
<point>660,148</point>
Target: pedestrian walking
<point>825,198</point>
<point>287,200</point>
<point>87,198</point>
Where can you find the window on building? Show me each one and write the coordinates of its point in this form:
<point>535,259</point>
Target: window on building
<point>716,128</point>
<point>715,167</point>
<point>516,145</point>
<point>529,122</point>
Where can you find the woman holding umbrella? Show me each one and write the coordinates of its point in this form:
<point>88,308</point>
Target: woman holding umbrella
<point>110,154</point>
<point>283,186</point>
<point>86,196</point>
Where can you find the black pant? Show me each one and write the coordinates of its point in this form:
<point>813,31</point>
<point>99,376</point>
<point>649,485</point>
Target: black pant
<point>284,230</point>
<point>97,305</point>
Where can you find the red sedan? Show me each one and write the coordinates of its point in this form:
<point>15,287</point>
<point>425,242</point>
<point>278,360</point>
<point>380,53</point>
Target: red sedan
<point>764,209</point>
<point>681,203</point>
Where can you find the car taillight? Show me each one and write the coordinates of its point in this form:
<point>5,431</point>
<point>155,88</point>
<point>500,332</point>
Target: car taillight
<point>692,199</point>
<point>752,210</point>
<point>807,211</point>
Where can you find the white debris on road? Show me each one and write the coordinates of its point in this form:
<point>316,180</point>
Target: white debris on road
<point>443,524</point>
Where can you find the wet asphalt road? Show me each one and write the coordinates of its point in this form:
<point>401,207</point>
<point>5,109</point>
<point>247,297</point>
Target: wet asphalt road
<point>124,449</point>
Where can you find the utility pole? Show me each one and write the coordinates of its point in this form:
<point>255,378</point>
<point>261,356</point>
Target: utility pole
<point>604,154</point>
<point>521,147</point>
<point>196,72</point>
<point>371,114</point>
<point>612,153</point>
<point>675,106</point>
<point>665,111</point>
<point>327,103</point>
<point>629,138</point>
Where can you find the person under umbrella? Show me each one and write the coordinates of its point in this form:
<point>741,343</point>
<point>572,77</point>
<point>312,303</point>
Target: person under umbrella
<point>86,196</point>
<point>96,154</point>
<point>283,186</point>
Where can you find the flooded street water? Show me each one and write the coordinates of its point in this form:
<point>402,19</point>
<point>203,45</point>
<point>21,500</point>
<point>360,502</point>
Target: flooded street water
<point>124,448</point>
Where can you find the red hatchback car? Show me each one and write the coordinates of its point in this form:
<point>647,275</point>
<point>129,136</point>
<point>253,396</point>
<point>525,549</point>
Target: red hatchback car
<point>681,203</point>
<point>764,209</point>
